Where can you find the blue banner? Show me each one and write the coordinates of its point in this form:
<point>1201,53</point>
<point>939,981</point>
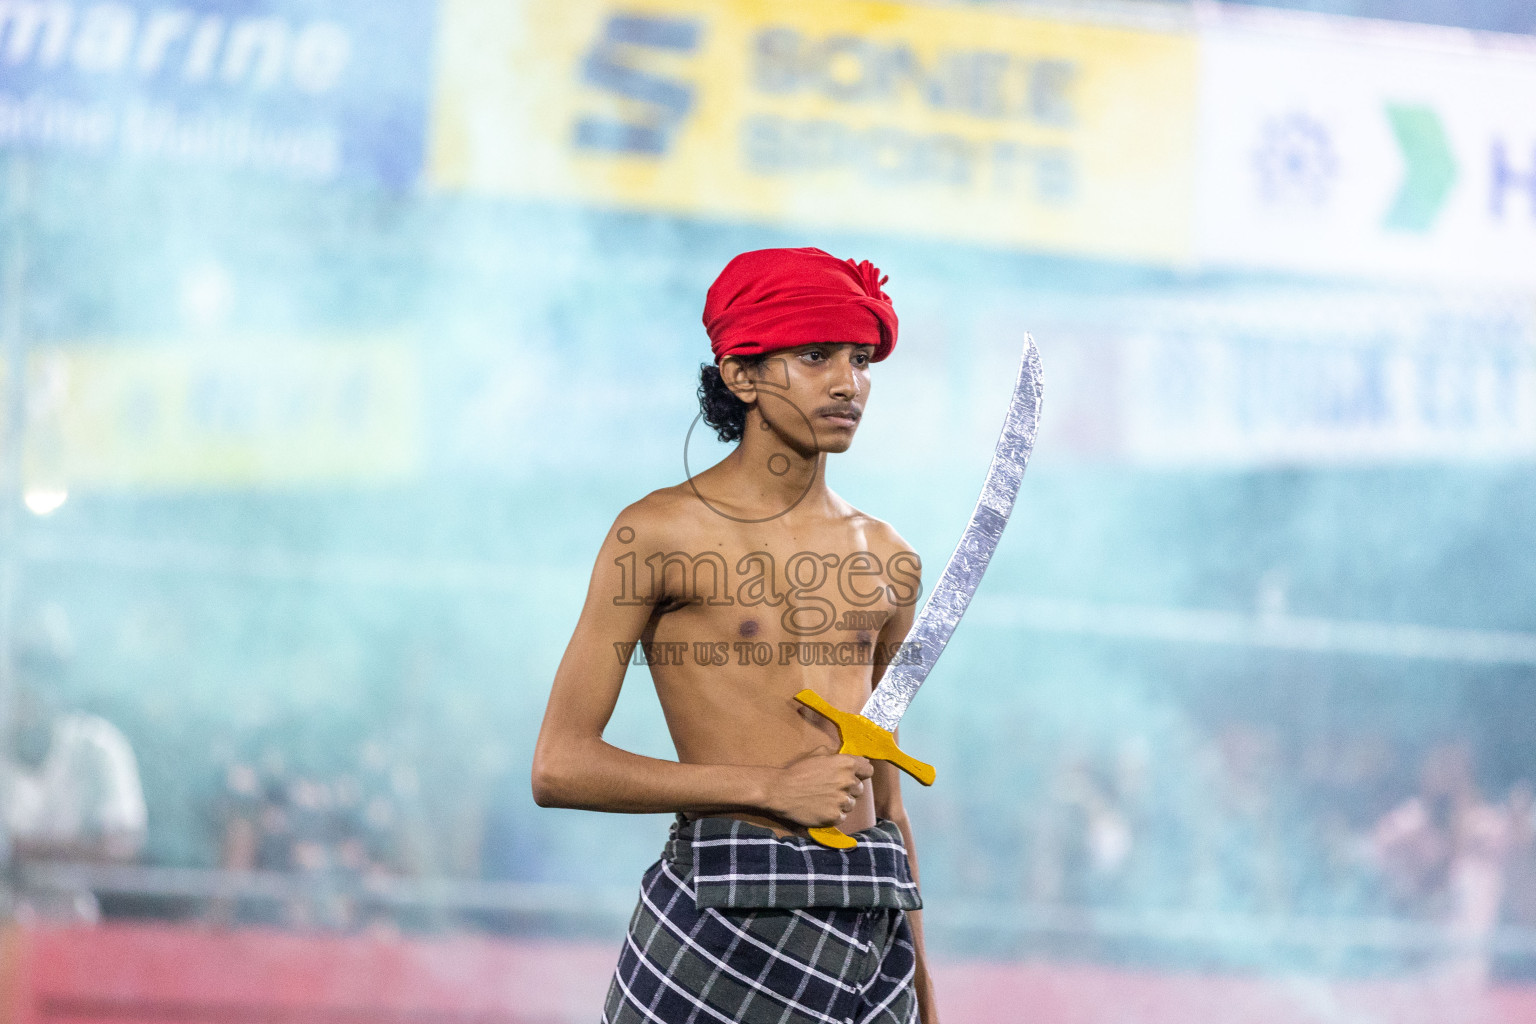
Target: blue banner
<point>297,88</point>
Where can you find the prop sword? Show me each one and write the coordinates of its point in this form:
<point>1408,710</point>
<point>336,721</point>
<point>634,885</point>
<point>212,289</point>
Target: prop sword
<point>871,732</point>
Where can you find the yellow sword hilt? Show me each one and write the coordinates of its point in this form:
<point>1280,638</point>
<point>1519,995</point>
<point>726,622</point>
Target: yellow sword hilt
<point>861,738</point>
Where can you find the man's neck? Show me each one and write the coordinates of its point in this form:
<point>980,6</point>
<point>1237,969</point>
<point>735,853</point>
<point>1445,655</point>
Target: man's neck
<point>764,468</point>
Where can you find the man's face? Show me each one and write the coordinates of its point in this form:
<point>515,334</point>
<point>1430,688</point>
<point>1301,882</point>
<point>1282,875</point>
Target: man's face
<point>814,395</point>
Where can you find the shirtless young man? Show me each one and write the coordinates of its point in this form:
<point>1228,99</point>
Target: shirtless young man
<point>742,586</point>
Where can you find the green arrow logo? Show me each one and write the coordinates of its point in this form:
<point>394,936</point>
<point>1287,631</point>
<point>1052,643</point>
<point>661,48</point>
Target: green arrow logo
<point>1429,170</point>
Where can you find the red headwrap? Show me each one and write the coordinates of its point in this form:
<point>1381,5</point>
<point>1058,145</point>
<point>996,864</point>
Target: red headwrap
<point>771,299</point>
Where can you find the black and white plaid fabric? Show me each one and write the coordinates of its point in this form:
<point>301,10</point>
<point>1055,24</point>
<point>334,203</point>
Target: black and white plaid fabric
<point>736,924</point>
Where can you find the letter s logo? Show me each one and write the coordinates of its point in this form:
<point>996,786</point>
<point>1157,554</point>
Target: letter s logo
<point>664,102</point>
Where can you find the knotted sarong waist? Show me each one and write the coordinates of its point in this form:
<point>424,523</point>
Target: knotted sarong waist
<point>743,866</point>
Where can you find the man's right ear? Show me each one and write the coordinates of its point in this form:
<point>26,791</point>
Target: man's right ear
<point>734,372</point>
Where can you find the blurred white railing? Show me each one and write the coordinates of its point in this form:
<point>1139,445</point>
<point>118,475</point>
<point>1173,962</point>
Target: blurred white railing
<point>1282,632</point>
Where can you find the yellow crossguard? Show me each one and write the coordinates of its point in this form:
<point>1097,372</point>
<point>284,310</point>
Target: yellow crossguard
<point>861,738</point>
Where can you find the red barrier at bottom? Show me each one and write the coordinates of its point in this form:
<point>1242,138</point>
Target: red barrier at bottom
<point>1073,994</point>
<point>161,974</point>
<point>157,974</point>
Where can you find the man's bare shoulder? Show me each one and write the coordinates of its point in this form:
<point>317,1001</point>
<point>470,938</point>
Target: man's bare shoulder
<point>881,536</point>
<point>666,516</point>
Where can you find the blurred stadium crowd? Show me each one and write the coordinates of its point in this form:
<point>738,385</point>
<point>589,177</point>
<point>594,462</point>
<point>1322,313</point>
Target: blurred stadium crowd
<point>1335,826</point>
<point>1244,821</point>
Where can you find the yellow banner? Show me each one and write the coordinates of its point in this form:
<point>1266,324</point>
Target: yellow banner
<point>253,413</point>
<point>973,125</point>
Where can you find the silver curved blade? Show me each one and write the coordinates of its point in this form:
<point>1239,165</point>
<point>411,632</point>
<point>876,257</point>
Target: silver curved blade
<point>948,599</point>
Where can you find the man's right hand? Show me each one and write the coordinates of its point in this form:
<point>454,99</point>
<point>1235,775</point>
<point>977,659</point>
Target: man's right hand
<point>818,789</point>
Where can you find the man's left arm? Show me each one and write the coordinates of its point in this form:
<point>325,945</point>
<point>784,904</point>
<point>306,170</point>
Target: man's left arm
<point>888,805</point>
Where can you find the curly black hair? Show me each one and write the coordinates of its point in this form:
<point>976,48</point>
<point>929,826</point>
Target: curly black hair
<point>720,408</point>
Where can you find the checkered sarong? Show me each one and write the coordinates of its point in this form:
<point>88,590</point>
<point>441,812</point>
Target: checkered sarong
<point>736,924</point>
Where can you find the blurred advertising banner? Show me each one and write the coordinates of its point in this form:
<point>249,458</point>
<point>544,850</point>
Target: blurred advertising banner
<point>293,88</point>
<point>1298,379</point>
<point>940,122</point>
<point>1367,150</point>
<point>252,415</point>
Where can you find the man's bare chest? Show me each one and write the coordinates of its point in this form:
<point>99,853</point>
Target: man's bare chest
<point>763,603</point>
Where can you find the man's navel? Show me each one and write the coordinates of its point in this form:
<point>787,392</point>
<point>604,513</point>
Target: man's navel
<point>748,628</point>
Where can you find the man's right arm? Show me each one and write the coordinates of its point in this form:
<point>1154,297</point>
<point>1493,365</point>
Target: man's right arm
<point>574,767</point>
